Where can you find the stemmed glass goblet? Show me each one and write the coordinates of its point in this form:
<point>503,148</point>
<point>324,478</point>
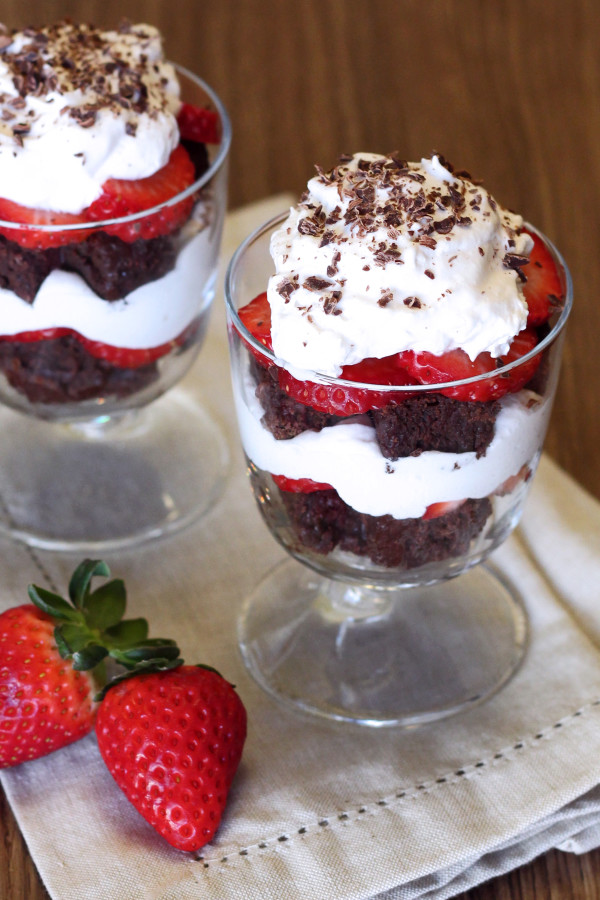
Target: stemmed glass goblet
<point>93,457</point>
<point>385,614</point>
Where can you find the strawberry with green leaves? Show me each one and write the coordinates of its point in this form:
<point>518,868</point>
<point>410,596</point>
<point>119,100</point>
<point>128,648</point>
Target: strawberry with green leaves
<point>52,661</point>
<point>171,734</point>
<point>173,741</point>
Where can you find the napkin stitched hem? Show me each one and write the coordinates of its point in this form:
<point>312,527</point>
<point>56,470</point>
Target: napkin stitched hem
<point>396,798</point>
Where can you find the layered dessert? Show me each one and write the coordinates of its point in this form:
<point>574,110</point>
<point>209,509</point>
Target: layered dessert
<point>108,240</point>
<point>396,385</point>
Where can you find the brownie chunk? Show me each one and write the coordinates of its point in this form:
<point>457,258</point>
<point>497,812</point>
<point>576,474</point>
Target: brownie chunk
<point>322,521</point>
<point>434,422</point>
<point>111,267</point>
<point>22,271</point>
<point>427,422</point>
<point>409,543</point>
<point>60,370</point>
<point>284,417</point>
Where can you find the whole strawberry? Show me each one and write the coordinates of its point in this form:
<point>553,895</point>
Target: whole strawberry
<point>44,703</point>
<point>52,654</point>
<point>172,741</point>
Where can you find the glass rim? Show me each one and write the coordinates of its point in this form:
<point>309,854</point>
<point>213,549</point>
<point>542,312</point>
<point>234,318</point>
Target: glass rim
<point>321,378</point>
<point>214,167</point>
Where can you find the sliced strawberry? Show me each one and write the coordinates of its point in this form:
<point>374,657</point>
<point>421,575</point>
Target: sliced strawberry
<point>198,124</point>
<point>343,400</point>
<point>511,382</point>
<point>338,400</point>
<point>543,290</point>
<point>508,486</point>
<point>435,510</point>
<point>32,238</point>
<point>121,197</point>
<point>456,365</point>
<point>256,317</point>
<point>126,357</point>
<point>300,485</point>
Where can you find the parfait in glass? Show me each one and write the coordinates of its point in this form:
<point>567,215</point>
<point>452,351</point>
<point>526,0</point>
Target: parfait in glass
<point>113,185</point>
<point>395,345</point>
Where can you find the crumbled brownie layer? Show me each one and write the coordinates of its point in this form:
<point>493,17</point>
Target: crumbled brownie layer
<point>60,370</point>
<point>434,422</point>
<point>111,267</point>
<point>22,271</point>
<point>321,521</point>
<point>284,417</point>
<point>419,423</point>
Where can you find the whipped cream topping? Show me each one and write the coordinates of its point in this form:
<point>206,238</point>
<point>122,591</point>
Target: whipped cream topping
<point>78,106</point>
<point>382,255</point>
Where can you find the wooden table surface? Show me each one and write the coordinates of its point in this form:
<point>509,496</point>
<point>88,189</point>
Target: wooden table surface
<point>508,90</point>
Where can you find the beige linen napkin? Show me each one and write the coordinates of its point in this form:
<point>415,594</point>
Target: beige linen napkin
<point>320,810</point>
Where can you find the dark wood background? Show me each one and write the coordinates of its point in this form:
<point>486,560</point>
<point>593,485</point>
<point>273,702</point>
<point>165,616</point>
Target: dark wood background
<point>508,90</point>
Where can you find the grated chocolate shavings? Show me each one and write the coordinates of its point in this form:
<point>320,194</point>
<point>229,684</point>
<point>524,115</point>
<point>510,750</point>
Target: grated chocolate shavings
<point>314,283</point>
<point>66,58</point>
<point>330,303</point>
<point>287,286</point>
<point>386,297</point>
<point>332,268</point>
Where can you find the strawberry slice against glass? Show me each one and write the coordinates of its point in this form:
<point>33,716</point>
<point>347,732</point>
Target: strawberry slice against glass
<point>256,318</point>
<point>542,289</point>
<point>456,366</point>
<point>344,400</point>
<point>119,197</point>
<point>33,239</point>
<point>334,399</point>
<point>442,508</point>
<point>198,124</point>
<point>300,485</point>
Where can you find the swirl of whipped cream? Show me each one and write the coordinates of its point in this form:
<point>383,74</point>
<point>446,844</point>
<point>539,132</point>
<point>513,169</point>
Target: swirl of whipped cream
<point>382,255</point>
<point>79,106</point>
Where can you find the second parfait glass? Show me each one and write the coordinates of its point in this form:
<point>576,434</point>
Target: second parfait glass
<point>383,615</point>
<point>96,451</point>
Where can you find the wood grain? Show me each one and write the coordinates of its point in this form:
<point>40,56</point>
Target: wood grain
<point>508,90</point>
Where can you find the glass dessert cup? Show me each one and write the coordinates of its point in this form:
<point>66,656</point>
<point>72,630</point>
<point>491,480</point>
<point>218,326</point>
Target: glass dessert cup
<point>385,614</point>
<point>97,452</point>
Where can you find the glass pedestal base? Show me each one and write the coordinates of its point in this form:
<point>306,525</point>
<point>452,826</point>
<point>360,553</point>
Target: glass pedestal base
<point>382,657</point>
<point>110,483</point>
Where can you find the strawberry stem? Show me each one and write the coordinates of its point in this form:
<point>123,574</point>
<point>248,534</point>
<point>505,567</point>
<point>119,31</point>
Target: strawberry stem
<point>89,627</point>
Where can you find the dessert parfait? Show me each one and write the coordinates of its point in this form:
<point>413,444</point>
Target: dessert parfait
<point>395,344</point>
<point>112,186</point>
<point>412,277</point>
<point>113,189</point>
